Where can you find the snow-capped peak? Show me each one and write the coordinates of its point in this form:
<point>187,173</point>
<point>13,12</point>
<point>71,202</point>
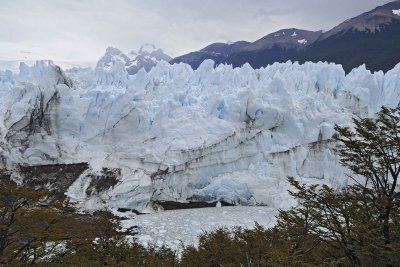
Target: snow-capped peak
<point>113,51</point>
<point>147,49</point>
<point>146,57</point>
<point>111,56</point>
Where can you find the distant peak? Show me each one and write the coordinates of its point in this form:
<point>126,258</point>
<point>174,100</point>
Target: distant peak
<point>147,48</point>
<point>146,57</point>
<point>133,53</point>
<point>370,22</point>
<point>113,51</point>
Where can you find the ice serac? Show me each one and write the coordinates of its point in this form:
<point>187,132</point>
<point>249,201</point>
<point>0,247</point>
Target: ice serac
<point>178,134</point>
<point>29,106</point>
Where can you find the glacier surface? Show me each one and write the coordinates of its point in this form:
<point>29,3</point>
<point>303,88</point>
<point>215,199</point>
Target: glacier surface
<point>174,228</point>
<point>177,134</point>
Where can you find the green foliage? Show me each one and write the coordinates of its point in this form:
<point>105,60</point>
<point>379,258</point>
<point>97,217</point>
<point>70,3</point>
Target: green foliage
<point>34,233</point>
<point>358,225</point>
<point>215,249</point>
<point>121,252</point>
<point>372,150</point>
<point>28,229</point>
<point>108,246</point>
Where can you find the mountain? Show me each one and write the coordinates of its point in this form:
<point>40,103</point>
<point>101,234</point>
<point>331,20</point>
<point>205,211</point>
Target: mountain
<point>373,39</point>
<point>286,39</point>
<point>146,57</point>
<point>112,56</point>
<point>177,135</point>
<point>279,46</point>
<point>218,52</point>
<point>369,22</point>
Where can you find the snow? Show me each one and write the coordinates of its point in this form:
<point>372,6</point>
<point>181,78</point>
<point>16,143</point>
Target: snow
<point>147,57</point>
<point>211,134</point>
<point>294,34</point>
<point>396,12</point>
<point>302,41</point>
<point>174,228</point>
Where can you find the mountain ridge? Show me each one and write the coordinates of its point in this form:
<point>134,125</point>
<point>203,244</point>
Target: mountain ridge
<point>145,58</point>
<point>379,27</point>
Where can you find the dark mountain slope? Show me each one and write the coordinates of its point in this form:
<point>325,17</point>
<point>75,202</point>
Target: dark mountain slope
<point>217,52</point>
<point>372,38</point>
<point>279,46</point>
<point>378,51</point>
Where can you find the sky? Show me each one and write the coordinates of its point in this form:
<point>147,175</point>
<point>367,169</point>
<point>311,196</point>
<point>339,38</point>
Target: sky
<point>81,30</point>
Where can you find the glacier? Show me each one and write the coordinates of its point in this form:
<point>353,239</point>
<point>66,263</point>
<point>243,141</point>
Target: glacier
<point>217,133</point>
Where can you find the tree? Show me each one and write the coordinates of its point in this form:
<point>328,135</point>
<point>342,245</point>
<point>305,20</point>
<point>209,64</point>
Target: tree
<point>359,224</point>
<point>14,201</point>
<point>372,150</point>
<point>32,229</point>
<point>328,225</point>
<point>107,245</point>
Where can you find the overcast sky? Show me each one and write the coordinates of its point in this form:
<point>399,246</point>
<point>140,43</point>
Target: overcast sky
<point>81,30</point>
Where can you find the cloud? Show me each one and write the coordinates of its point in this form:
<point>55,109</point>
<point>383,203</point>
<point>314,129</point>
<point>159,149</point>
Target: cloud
<point>73,30</point>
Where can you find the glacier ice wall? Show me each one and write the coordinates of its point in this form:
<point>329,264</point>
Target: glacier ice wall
<point>173,133</point>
